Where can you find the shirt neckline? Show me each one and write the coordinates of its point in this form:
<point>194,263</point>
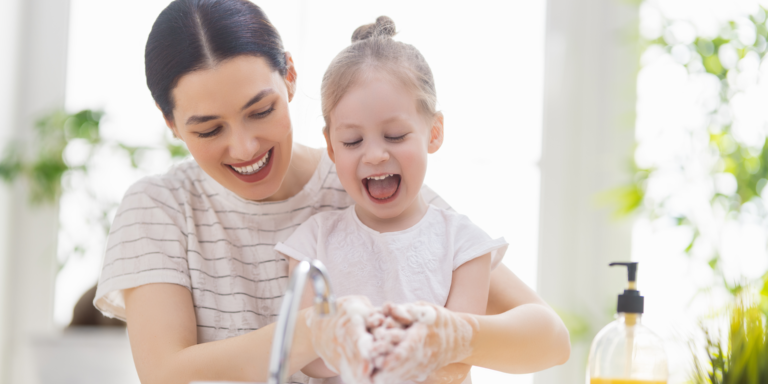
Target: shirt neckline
<point>309,190</point>
<point>351,211</point>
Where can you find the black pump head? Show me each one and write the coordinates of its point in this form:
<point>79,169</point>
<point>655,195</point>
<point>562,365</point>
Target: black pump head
<point>630,301</point>
<point>631,269</point>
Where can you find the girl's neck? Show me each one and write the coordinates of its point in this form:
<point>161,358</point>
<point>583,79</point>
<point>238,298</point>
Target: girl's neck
<point>407,219</point>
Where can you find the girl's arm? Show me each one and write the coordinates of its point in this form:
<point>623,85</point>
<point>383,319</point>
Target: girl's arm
<point>469,294</point>
<point>163,333</point>
<point>521,333</point>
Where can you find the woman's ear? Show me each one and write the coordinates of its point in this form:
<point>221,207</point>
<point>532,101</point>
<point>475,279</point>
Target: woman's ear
<point>290,75</point>
<point>436,133</point>
<point>328,146</point>
<point>169,123</point>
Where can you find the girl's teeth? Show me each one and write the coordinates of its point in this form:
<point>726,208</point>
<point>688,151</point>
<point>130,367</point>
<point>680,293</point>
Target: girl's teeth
<point>249,169</point>
<point>382,177</point>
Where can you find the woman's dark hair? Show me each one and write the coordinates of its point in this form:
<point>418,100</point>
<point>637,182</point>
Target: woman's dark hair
<point>198,34</point>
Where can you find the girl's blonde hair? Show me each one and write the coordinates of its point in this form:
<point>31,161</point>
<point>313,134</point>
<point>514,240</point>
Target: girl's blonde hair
<point>373,48</point>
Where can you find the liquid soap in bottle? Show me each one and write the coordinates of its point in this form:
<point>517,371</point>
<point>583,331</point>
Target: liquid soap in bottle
<point>625,351</point>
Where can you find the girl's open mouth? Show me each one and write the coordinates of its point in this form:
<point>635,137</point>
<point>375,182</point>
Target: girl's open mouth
<point>255,171</point>
<point>382,188</point>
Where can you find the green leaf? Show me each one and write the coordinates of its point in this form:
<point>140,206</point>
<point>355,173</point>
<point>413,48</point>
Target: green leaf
<point>713,66</point>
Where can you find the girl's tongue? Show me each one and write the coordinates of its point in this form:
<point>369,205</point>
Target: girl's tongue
<point>382,189</point>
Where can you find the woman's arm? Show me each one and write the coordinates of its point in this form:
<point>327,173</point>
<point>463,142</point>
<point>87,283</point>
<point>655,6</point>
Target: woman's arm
<point>521,333</point>
<point>163,333</point>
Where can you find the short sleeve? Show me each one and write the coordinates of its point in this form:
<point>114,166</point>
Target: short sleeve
<point>432,198</point>
<point>302,244</point>
<point>147,244</point>
<point>471,242</point>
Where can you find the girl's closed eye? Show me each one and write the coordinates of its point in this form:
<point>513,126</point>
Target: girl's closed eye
<point>210,133</point>
<point>350,144</point>
<point>396,139</point>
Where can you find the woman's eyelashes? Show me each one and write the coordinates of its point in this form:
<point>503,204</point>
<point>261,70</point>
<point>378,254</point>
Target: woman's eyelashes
<point>259,115</point>
<point>210,133</point>
<point>255,115</point>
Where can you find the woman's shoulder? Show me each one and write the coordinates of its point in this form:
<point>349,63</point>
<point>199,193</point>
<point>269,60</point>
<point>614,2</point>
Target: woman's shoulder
<point>181,179</point>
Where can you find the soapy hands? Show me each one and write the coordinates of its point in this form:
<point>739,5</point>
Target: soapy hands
<point>391,344</point>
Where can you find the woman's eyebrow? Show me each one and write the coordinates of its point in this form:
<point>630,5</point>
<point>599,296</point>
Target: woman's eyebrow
<point>258,97</point>
<point>202,119</point>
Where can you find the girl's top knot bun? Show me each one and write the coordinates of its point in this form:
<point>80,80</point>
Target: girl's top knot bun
<point>384,27</point>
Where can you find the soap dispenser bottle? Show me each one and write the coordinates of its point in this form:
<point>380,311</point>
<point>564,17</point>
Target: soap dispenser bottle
<point>625,351</point>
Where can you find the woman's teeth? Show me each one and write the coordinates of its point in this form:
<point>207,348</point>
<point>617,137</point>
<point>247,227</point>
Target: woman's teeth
<point>253,168</point>
<point>382,177</point>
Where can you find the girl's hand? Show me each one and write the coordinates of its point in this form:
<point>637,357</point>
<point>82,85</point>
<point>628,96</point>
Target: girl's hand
<point>342,340</point>
<point>428,345</point>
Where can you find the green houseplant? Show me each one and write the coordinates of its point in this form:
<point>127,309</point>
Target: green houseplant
<point>42,162</point>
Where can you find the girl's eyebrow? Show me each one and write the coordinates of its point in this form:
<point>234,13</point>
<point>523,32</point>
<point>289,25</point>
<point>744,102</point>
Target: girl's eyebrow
<point>347,126</point>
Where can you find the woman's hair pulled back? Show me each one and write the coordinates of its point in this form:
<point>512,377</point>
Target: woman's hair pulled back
<point>374,49</point>
<point>189,35</point>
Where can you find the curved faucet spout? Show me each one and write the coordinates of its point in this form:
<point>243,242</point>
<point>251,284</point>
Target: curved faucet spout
<point>325,304</point>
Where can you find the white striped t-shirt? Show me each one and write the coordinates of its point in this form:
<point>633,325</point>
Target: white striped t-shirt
<point>185,228</point>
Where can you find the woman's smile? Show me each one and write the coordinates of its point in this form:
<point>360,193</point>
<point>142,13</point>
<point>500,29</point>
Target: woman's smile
<point>254,170</point>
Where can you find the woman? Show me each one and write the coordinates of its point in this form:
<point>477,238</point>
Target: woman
<point>190,263</point>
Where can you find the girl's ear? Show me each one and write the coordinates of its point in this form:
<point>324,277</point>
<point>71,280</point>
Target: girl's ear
<point>290,76</point>
<point>436,133</point>
<point>328,146</point>
<point>169,123</point>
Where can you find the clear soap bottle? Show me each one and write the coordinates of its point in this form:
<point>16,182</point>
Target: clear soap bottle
<point>625,351</point>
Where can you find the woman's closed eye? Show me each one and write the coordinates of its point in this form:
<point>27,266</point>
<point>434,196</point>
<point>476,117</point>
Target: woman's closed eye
<point>259,115</point>
<point>210,133</point>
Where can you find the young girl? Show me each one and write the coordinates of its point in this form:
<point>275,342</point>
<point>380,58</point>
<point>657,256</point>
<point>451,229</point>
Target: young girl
<point>378,100</point>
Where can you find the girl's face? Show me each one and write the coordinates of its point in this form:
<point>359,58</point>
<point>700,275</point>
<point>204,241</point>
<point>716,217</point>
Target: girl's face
<point>379,141</point>
<point>234,119</point>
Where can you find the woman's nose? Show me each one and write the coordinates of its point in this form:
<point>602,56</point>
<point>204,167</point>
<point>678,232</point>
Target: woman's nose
<point>375,154</point>
<point>243,146</point>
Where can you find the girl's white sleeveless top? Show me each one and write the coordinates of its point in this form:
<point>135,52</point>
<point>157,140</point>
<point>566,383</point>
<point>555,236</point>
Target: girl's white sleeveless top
<point>185,228</point>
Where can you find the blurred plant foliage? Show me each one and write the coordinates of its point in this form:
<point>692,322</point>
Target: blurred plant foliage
<point>723,157</point>
<point>43,161</point>
<point>739,355</point>
<point>745,163</point>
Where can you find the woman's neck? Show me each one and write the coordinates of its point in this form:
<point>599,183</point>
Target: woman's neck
<point>407,219</point>
<point>304,162</point>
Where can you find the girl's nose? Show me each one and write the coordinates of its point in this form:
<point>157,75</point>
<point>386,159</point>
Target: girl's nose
<point>243,146</point>
<point>375,154</point>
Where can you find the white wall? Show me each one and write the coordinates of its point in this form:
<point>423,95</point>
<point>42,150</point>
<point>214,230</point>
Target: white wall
<point>589,101</point>
<point>33,40</point>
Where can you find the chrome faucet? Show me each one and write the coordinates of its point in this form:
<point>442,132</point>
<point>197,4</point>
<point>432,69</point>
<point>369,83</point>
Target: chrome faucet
<point>325,304</point>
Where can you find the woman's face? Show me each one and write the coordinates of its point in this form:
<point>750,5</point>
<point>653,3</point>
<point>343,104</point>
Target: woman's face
<point>234,119</point>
